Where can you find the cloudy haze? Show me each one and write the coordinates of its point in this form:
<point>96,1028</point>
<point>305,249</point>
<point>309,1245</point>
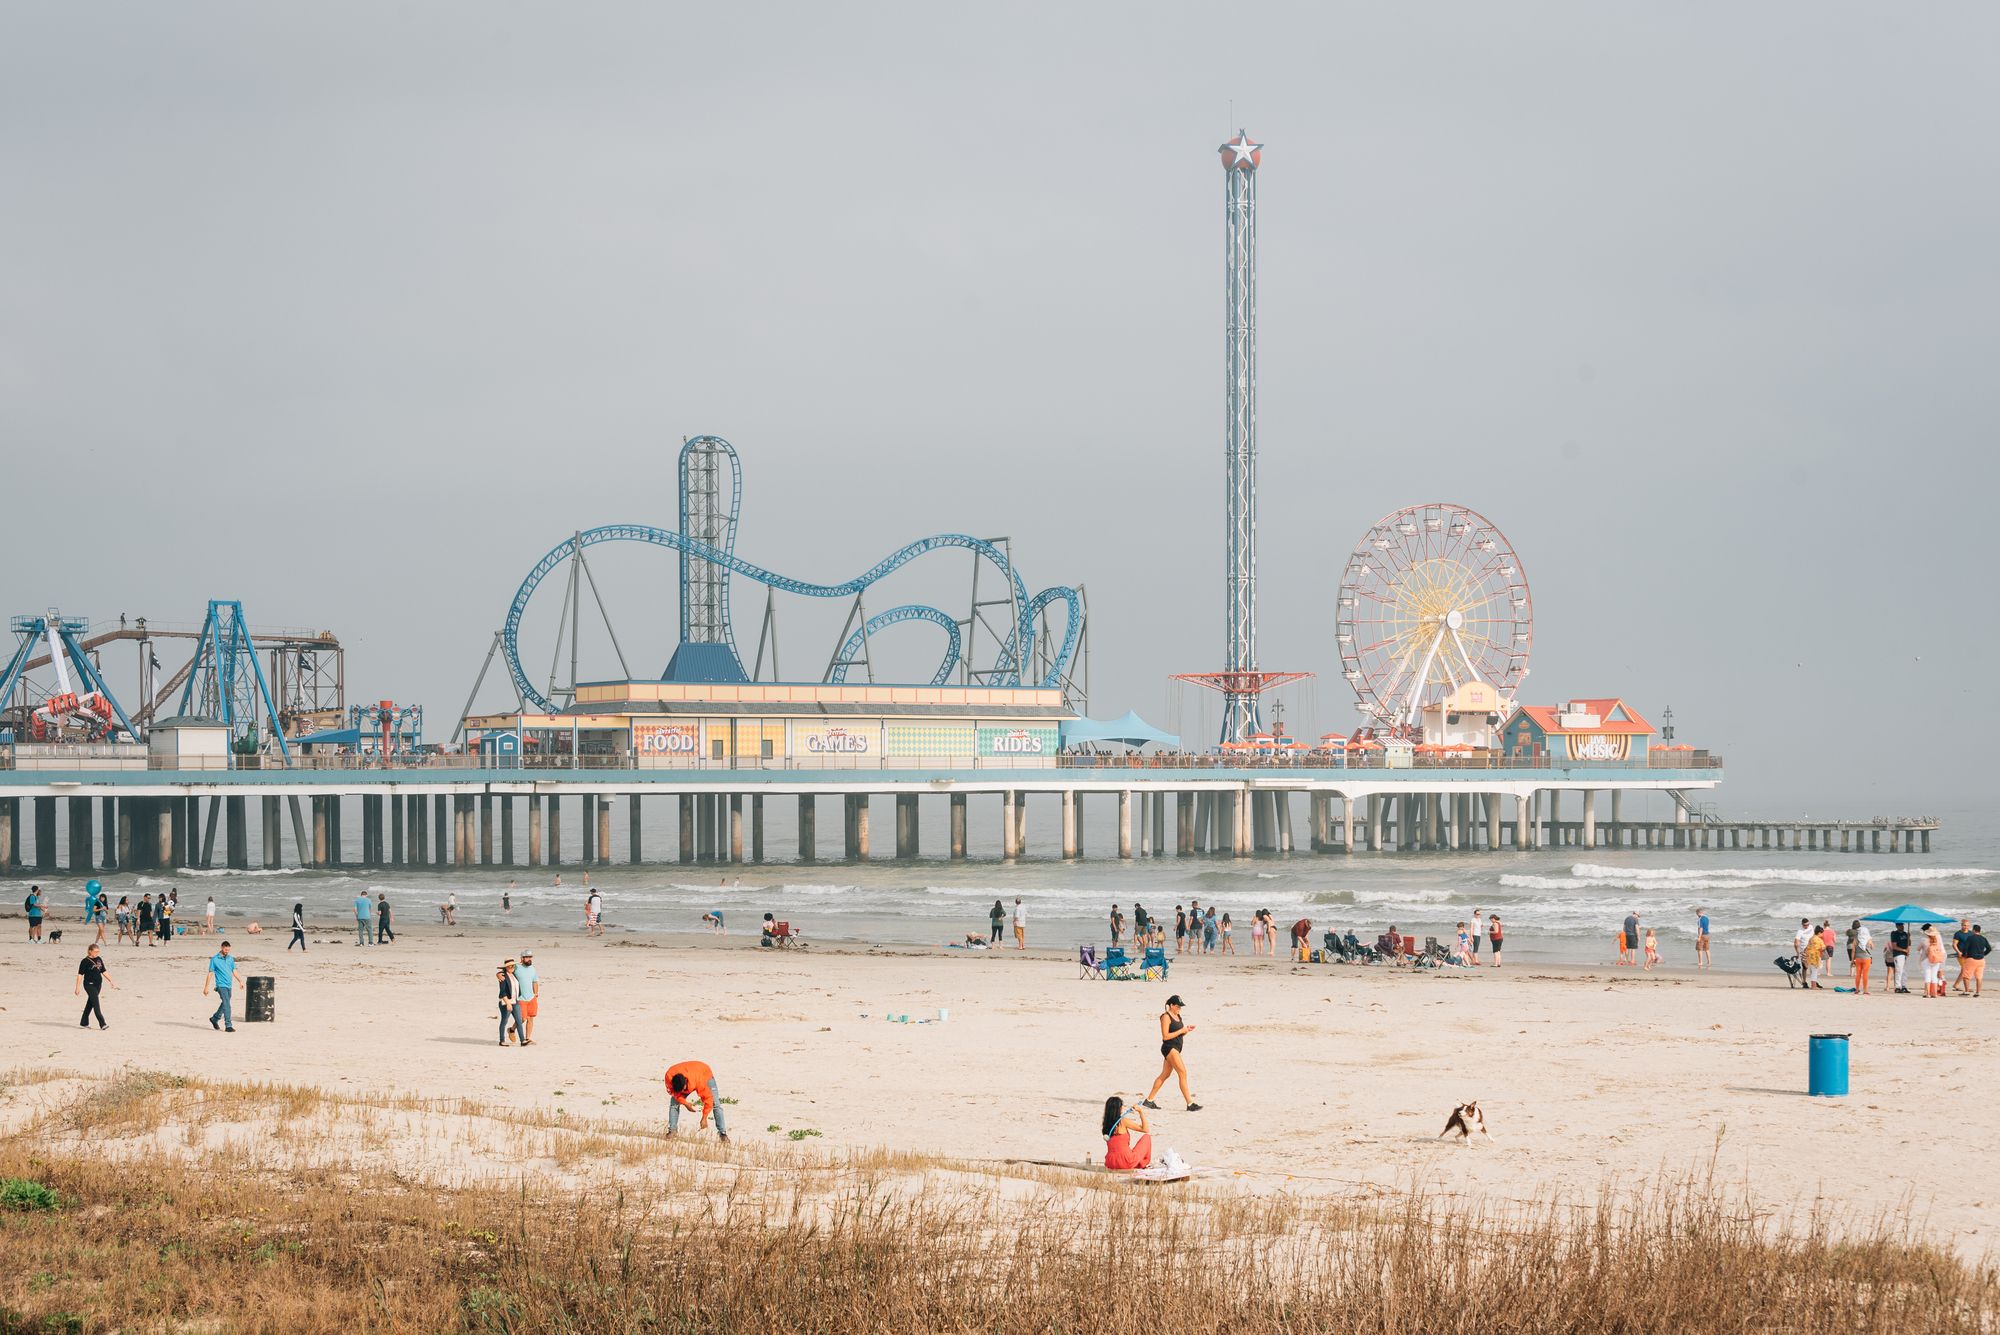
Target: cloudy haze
<point>352,311</point>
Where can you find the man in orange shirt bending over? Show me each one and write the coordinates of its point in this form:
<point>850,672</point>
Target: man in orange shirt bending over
<point>693,1080</point>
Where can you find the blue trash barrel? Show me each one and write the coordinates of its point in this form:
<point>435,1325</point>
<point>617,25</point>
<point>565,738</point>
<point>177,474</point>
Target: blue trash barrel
<point>1826,1066</point>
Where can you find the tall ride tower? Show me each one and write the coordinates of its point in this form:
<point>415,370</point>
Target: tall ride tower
<point>1240,682</point>
<point>1240,159</point>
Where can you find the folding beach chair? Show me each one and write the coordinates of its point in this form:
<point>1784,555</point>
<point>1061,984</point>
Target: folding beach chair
<point>785,938</point>
<point>1117,964</point>
<point>1086,963</point>
<point>1153,967</point>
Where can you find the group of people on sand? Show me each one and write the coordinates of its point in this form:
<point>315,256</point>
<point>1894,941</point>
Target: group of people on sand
<point>1814,949</point>
<point>997,915</point>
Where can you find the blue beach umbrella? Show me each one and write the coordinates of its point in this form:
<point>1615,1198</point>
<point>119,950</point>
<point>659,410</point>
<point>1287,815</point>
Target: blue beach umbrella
<point>1910,913</point>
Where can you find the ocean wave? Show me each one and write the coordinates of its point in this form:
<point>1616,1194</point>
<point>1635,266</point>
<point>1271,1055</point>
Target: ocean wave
<point>1594,873</point>
<point>238,871</point>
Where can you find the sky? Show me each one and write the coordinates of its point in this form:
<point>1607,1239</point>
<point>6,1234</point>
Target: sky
<point>352,312</point>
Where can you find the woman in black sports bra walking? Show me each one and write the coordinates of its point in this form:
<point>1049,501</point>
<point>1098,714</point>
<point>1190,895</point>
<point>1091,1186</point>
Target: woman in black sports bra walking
<point>1172,1031</point>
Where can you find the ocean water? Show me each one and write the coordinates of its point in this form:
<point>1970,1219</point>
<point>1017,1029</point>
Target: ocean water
<point>1559,905</point>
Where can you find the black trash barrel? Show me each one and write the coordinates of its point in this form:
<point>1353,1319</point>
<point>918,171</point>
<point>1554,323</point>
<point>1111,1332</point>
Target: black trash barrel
<point>260,999</point>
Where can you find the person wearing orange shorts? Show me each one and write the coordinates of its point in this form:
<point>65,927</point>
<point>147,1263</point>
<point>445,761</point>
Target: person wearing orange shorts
<point>1975,951</point>
<point>1861,954</point>
<point>528,987</point>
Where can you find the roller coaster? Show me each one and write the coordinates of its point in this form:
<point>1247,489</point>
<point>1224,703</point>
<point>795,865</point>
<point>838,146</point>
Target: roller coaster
<point>1024,650</point>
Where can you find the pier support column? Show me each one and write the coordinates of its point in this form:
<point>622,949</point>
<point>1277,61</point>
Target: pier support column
<point>396,846</point>
<point>1617,816</point>
<point>588,828</point>
<point>1021,823</point>
<point>79,834</point>
<point>8,832</point>
<point>1009,848</point>
<point>485,829</point>
<point>45,833</point>
<point>506,830</point>
<point>1068,800</point>
<point>1590,818</point>
<point>736,828</point>
<point>1346,823</point>
<point>1927,840</point>
<point>534,830</point>
<point>808,828</point>
<point>1284,810</point>
<point>757,827</point>
<point>319,831</point>
<point>604,830</point>
<point>1125,822</point>
<point>850,827</point>
<point>634,844</point>
<point>238,810</point>
<point>1183,825</point>
<point>906,821</point>
<point>1201,821</point>
<point>957,826</point>
<point>126,861</point>
<point>1520,822</point>
<point>554,830</point>
<point>687,826</point>
<point>1159,825</point>
<point>861,826</point>
<point>704,827</point>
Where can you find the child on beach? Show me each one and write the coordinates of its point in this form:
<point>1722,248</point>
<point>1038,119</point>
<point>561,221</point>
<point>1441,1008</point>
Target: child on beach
<point>1257,932</point>
<point>1463,955</point>
<point>1228,942</point>
<point>1652,949</point>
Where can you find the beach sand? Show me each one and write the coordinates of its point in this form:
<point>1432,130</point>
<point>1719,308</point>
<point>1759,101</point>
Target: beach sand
<point>1313,1078</point>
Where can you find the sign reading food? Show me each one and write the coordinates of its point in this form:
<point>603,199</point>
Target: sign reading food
<point>666,741</point>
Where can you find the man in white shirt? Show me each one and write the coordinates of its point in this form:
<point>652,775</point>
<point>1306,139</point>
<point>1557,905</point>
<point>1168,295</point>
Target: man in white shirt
<point>1020,924</point>
<point>1799,939</point>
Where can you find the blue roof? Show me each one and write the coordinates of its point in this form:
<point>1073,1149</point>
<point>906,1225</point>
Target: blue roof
<point>1131,730</point>
<point>329,737</point>
<point>706,663</point>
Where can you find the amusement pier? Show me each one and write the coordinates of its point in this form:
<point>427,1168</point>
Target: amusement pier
<point>249,753</point>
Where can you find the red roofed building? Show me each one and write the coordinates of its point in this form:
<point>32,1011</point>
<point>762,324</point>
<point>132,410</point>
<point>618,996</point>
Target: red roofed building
<point>1606,729</point>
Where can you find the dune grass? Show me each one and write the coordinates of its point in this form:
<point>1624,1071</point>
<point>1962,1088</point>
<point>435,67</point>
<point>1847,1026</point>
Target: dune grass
<point>221,1240</point>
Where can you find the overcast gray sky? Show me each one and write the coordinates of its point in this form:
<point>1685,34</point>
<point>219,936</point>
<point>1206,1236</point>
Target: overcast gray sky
<point>352,311</point>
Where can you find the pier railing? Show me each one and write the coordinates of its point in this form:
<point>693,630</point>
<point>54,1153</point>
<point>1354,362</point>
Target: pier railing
<point>128,757</point>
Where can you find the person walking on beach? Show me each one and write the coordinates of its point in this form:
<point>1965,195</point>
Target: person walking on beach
<point>995,915</point>
<point>1180,930</point>
<point>1628,944</point>
<point>298,929</point>
<point>124,916</point>
<point>1141,924</point>
<point>1899,957</point>
<point>528,992</point>
<point>1257,932</point>
<point>90,977</point>
<point>1860,954</point>
<point>1172,1032</point>
<point>1209,930</point>
<point>1117,921</point>
<point>222,977</point>
<point>208,925</point>
<point>34,907</point>
<point>1958,952</point>
<point>163,917</point>
<point>1228,939</point>
<point>694,1080</point>
<point>1496,936</point>
<point>1020,924</point>
<point>510,1005</point>
<point>364,920</point>
<point>1478,930</point>
<point>1977,948</point>
<point>383,932</point>
<point>145,928</point>
<point>1652,949</point>
<point>593,913</point>
<point>1701,960</point>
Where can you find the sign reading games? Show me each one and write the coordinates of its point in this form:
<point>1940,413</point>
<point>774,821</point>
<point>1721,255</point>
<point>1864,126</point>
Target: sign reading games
<point>836,741</point>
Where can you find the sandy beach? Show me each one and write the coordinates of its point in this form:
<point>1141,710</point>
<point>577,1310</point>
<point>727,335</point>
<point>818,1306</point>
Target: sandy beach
<point>1313,1078</point>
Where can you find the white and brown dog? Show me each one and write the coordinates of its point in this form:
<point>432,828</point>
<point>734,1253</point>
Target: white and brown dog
<point>1467,1121</point>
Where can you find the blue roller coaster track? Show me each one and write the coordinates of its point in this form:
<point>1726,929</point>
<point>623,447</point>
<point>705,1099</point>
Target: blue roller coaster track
<point>704,595</point>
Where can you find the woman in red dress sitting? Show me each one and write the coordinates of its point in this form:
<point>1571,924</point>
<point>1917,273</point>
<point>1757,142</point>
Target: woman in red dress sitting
<point>1128,1142</point>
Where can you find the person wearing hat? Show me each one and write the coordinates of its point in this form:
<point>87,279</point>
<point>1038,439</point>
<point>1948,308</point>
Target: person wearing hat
<point>528,994</point>
<point>1172,1031</point>
<point>510,1006</point>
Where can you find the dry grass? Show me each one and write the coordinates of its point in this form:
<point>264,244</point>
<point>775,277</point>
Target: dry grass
<point>699,1238</point>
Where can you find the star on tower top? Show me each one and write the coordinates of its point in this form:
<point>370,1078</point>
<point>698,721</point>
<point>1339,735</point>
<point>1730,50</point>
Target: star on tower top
<point>1240,154</point>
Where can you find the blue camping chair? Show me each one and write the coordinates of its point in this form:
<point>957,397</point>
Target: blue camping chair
<point>1117,964</point>
<point>1153,968</point>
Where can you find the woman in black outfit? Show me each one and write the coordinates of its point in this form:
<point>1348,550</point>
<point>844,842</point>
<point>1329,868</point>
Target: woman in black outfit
<point>1172,1031</point>
<point>510,1009</point>
<point>382,932</point>
<point>298,928</point>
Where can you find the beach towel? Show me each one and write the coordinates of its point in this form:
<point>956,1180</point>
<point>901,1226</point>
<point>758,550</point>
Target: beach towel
<point>1169,1167</point>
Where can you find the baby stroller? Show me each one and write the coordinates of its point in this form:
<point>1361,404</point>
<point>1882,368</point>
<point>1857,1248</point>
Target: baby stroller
<point>1794,972</point>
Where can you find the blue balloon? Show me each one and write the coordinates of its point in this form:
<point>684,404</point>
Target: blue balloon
<point>92,886</point>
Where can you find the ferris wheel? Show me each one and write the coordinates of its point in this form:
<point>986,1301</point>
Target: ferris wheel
<point>1433,598</point>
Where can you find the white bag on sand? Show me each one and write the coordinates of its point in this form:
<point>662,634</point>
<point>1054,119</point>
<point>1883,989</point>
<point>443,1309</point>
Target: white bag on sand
<point>1169,1167</point>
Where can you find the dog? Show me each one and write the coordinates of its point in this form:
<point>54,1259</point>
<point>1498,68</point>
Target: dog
<point>56,935</point>
<point>1468,1121</point>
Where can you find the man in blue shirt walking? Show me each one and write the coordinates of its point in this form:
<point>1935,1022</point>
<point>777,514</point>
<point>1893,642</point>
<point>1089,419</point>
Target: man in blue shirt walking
<point>222,977</point>
<point>364,920</point>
